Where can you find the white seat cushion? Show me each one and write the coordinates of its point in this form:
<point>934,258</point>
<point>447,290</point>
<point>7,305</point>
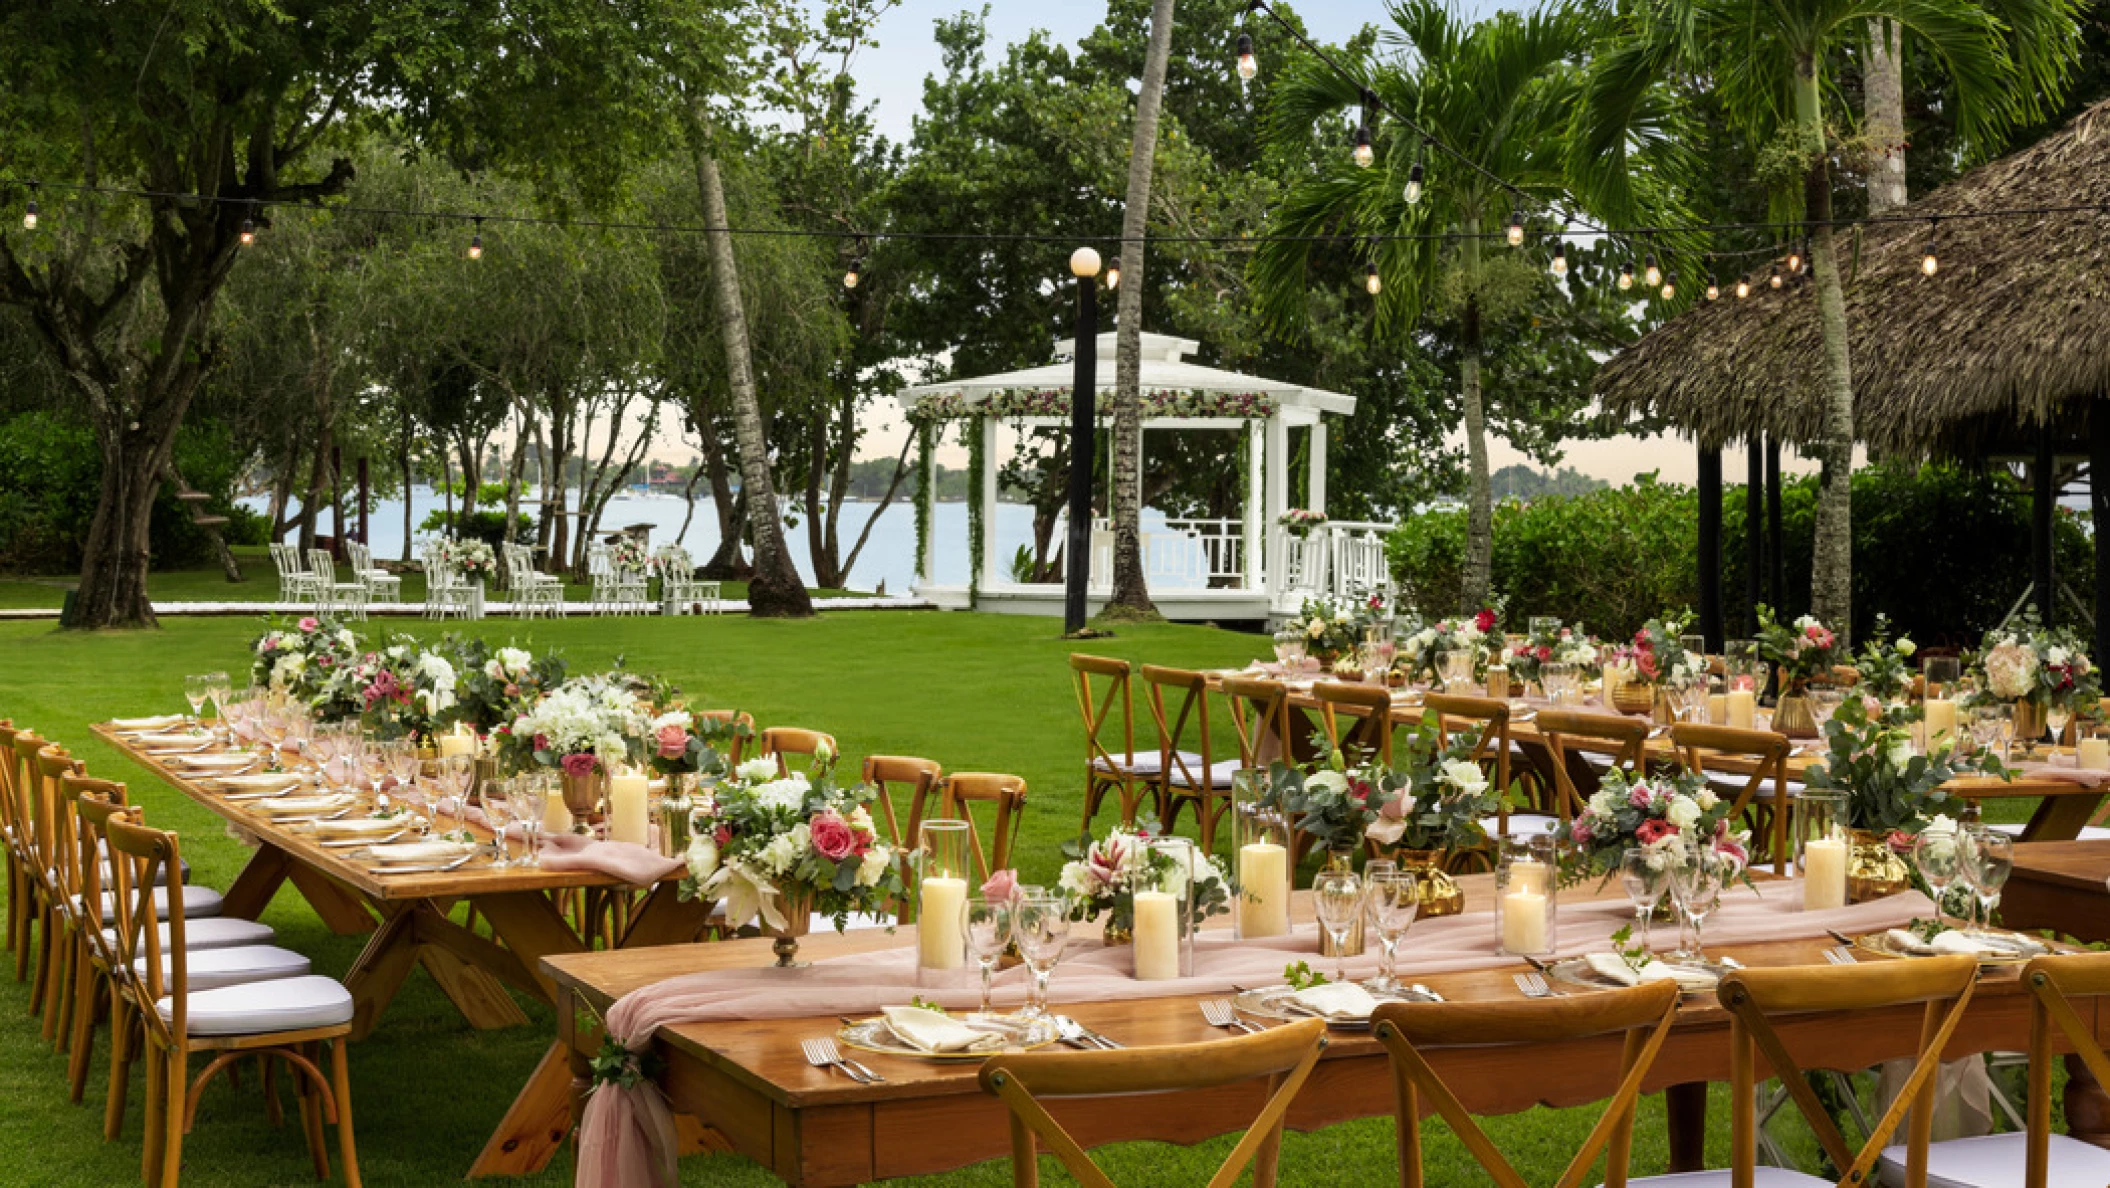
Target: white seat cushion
<point>1219,774</point>
<point>1766,1177</point>
<point>212,932</point>
<point>1145,763</point>
<point>210,969</point>
<point>1525,824</point>
<point>197,902</point>
<point>257,1008</point>
<point>1996,1160</point>
<point>2088,832</point>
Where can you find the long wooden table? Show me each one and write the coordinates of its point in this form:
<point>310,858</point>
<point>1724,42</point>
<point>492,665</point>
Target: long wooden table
<point>409,917</point>
<point>2060,886</point>
<point>748,1085</point>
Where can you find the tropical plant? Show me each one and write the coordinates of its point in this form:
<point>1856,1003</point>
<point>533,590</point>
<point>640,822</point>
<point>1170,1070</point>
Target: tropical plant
<point>1500,96</point>
<point>1770,64</point>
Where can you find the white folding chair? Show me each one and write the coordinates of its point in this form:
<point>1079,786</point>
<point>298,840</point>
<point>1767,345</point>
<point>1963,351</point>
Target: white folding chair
<point>295,583</point>
<point>381,585</point>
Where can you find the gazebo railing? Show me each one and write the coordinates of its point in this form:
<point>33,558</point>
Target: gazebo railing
<point>1205,552</point>
<point>1342,559</point>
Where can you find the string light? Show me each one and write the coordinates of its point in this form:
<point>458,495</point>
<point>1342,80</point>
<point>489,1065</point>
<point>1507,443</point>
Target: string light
<point>1248,66</point>
<point>1774,280</point>
<point>29,212</point>
<point>1516,228</point>
<point>1113,274</point>
<point>857,264</point>
<point>1794,260</point>
<point>1560,258</point>
<point>476,241</point>
<point>1414,176</point>
<point>1743,287</point>
<point>1930,263</point>
<point>1714,290</point>
<point>1626,276</point>
<point>1652,274</point>
<point>249,226</point>
<point>1365,156</point>
<point>1371,281</point>
<point>1670,285</point>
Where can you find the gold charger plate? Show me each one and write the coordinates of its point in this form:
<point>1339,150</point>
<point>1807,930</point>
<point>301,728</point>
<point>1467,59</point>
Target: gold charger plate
<point>1576,971</point>
<point>874,1036</point>
<point>1879,942</point>
<point>1280,1003</point>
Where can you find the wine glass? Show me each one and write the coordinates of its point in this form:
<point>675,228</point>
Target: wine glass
<point>1985,726</point>
<point>1042,927</point>
<point>1939,857</point>
<point>1697,887</point>
<point>1989,857</point>
<point>455,773</point>
<point>2056,715</point>
<point>322,751</point>
<point>988,934</point>
<point>1824,701</point>
<point>1390,905</point>
<point>1289,650</point>
<point>1558,681</point>
<point>196,690</point>
<point>1457,668</point>
<point>526,800</point>
<point>1643,877</point>
<point>1339,894</point>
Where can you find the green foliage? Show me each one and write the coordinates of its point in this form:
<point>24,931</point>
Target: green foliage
<point>1888,784</point>
<point>485,524</point>
<point>51,475</point>
<point>978,434</point>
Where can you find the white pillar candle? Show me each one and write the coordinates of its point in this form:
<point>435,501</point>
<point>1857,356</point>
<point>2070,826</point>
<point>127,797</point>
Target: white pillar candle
<point>1524,922</point>
<point>629,819</point>
<point>941,921</point>
<point>1528,876</point>
<point>1718,708</point>
<point>1263,880</point>
<point>555,817</point>
<point>457,744</point>
<point>2094,754</point>
<point>1823,874</point>
<point>1941,720</point>
<point>1743,708</point>
<point>1157,936</point>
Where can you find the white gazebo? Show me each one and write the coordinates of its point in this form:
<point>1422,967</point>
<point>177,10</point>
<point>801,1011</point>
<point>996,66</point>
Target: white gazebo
<point>1198,569</point>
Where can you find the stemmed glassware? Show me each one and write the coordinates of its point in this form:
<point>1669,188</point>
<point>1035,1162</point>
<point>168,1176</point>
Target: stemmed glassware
<point>2056,715</point>
<point>526,800</point>
<point>1456,665</point>
<point>1697,887</point>
<point>197,690</point>
<point>1339,895</point>
<point>1559,682</point>
<point>1390,904</point>
<point>1939,856</point>
<point>1986,726</point>
<point>455,772</point>
<point>1289,649</point>
<point>1042,928</point>
<point>989,923</point>
<point>1989,857</point>
<point>1645,885</point>
<point>1824,701</point>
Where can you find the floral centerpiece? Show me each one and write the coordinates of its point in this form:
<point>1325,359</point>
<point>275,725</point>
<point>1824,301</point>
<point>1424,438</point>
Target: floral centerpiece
<point>628,554</point>
<point>1655,658</point>
<point>582,728</point>
<point>1301,522</point>
<point>1885,665</point>
<point>1557,645</point>
<point>300,658</point>
<point>1100,878</point>
<point>1332,799</point>
<point>1431,806</point>
<point>1419,651</point>
<point>473,559</point>
<point>2040,670</point>
<point>494,686</point>
<point>787,848</point>
<point>1333,628</point>
<point>1666,815</point>
<point>1891,789</point>
<point>680,743</point>
<point>1804,653</point>
<point>399,689</point>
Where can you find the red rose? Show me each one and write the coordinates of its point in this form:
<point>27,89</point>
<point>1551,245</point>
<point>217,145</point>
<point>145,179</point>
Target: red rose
<point>723,834</point>
<point>579,765</point>
<point>673,741</point>
<point>833,838</point>
<point>1485,621</point>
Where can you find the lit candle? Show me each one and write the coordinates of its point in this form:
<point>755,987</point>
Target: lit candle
<point>1718,708</point>
<point>941,922</point>
<point>1823,874</point>
<point>1743,707</point>
<point>1941,720</point>
<point>457,743</point>
<point>2094,753</point>
<point>1527,876</point>
<point>1157,936</point>
<point>629,819</point>
<point>1524,922</point>
<point>1263,880</point>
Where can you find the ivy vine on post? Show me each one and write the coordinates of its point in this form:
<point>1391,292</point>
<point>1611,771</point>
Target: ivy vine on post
<point>926,447</point>
<point>977,463</point>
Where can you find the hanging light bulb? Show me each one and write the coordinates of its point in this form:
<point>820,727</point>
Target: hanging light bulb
<point>29,213</point>
<point>248,231</point>
<point>1365,156</point>
<point>1794,260</point>
<point>1773,281</point>
<point>1626,276</point>
<point>1414,177</point>
<point>1670,285</point>
<point>1516,229</point>
<point>1743,287</point>
<point>1560,258</point>
<point>1248,66</point>
<point>1930,263</point>
<point>1652,274</point>
<point>1113,273</point>
<point>1371,281</point>
<point>476,240</point>
<point>851,277</point>
<point>1714,289</point>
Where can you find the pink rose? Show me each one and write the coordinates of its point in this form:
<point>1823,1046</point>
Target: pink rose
<point>1394,809</point>
<point>310,624</point>
<point>542,742</point>
<point>833,838</point>
<point>1002,887</point>
<point>673,741</point>
<point>723,834</point>
<point>1640,795</point>
<point>1579,832</point>
<point>579,765</point>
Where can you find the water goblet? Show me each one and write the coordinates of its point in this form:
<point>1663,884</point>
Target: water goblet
<point>526,801</point>
<point>1558,681</point>
<point>1824,701</point>
<point>197,690</point>
<point>2056,715</point>
<point>1697,886</point>
<point>1939,857</point>
<point>1339,897</point>
<point>1985,726</point>
<point>1989,857</point>
<point>455,774</point>
<point>988,934</point>
<point>1042,927</point>
<point>1645,880</point>
<point>1390,905</point>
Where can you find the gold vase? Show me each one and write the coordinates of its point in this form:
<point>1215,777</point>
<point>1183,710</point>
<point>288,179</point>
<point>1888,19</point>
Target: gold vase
<point>1342,860</point>
<point>1873,869</point>
<point>582,796</point>
<point>1497,683</point>
<point>1434,889</point>
<point>798,920</point>
<point>2029,724</point>
<point>1634,697</point>
<point>1792,717</point>
<point>1117,935</point>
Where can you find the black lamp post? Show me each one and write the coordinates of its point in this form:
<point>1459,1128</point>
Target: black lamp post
<point>1084,265</point>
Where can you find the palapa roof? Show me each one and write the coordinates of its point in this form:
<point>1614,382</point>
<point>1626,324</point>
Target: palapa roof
<point>2014,328</point>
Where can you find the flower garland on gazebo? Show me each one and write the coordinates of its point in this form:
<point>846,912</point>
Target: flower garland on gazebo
<point>1055,402</point>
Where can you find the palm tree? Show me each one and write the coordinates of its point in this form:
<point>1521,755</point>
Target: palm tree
<point>1769,61</point>
<point>1501,93</point>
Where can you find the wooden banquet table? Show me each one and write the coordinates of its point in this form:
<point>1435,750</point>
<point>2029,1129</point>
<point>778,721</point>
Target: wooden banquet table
<point>2061,886</point>
<point>748,1085</point>
<point>408,916</point>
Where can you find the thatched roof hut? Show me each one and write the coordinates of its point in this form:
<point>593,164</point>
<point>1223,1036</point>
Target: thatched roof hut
<point>2013,330</point>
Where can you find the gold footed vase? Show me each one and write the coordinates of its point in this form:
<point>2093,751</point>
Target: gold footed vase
<point>798,921</point>
<point>1792,717</point>
<point>582,797</point>
<point>1434,890</point>
<point>2030,725</point>
<point>1634,697</point>
<point>1873,869</point>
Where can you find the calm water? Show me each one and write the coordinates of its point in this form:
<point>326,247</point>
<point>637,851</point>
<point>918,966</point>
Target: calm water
<point>889,556</point>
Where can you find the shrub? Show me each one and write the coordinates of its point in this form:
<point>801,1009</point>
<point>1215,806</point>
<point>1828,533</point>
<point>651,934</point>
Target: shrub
<point>488,526</point>
<point>50,478</point>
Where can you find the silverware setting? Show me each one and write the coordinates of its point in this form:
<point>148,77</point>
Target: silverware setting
<point>354,842</point>
<point>1533,986</point>
<point>1076,1034</point>
<point>1220,1013</point>
<point>820,1053</point>
<point>1841,956</point>
<point>457,864</point>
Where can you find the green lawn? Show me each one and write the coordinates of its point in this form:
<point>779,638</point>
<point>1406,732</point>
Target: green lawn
<point>975,692</point>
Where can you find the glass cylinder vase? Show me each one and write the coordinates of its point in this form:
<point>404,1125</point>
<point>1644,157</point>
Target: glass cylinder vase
<point>1161,899</point>
<point>1823,851</point>
<point>1526,896</point>
<point>943,881</point>
<point>1260,843</point>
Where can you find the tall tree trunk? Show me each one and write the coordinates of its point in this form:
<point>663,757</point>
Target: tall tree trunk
<point>403,463</point>
<point>311,503</point>
<point>1480,503</point>
<point>1883,99</point>
<point>1832,557</point>
<point>823,558</point>
<point>113,585</point>
<point>1131,594</point>
<point>775,591</point>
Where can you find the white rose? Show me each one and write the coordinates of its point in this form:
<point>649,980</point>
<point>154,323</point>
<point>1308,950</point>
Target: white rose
<point>1466,775</point>
<point>1684,812</point>
<point>514,660</point>
<point>1327,779</point>
<point>492,670</point>
<point>757,771</point>
<point>1906,647</point>
<point>1707,800</point>
<point>2056,656</point>
<point>873,867</point>
<point>702,857</point>
<point>787,795</point>
<point>1317,629</point>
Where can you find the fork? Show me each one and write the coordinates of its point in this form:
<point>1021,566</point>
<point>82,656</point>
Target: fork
<point>846,1061</point>
<point>1218,1013</point>
<point>1534,986</point>
<point>820,1053</point>
<point>355,842</point>
<point>1840,956</point>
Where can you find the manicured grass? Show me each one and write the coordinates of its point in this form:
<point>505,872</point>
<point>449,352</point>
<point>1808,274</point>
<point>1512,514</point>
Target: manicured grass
<point>975,692</point>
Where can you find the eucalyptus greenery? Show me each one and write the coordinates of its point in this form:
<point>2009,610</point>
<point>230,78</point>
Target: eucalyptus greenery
<point>1890,787</point>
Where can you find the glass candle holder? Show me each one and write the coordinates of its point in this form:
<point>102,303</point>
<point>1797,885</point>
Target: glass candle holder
<point>943,881</point>
<point>1260,844</point>
<point>1822,848</point>
<point>1161,892</point>
<point>1526,896</point>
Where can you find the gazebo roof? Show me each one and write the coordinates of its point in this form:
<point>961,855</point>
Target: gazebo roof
<point>1165,369</point>
<point>2012,332</point>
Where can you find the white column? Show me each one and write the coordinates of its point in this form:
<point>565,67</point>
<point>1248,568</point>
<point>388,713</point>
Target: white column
<point>1255,518</point>
<point>1277,489</point>
<point>928,563</point>
<point>988,498</point>
<point>1317,461</point>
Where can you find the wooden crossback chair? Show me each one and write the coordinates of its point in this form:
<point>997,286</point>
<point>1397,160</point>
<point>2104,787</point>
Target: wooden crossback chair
<point>1703,749</point>
<point>289,1019</point>
<point>51,906</point>
<point>70,914</point>
<point>1284,1055</point>
<point>93,804</point>
<point>1368,708</point>
<point>1490,717</point>
<point>1187,777</point>
<point>2053,982</point>
<point>23,745</point>
<point>1572,735</point>
<point>12,837</point>
<point>919,776</point>
<point>1643,1013</point>
<point>782,742</point>
<point>1122,772</point>
<point>1755,998</point>
<point>1260,717</point>
<point>1007,792</point>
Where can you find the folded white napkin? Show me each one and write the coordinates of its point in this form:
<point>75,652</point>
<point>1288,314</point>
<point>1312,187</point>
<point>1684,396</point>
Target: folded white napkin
<point>929,1031</point>
<point>1958,943</point>
<point>215,762</point>
<point>364,826</point>
<point>1337,1000</point>
<point>426,851</point>
<point>288,805</point>
<point>1614,967</point>
<point>258,781</point>
<point>159,722</point>
<point>168,742</point>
